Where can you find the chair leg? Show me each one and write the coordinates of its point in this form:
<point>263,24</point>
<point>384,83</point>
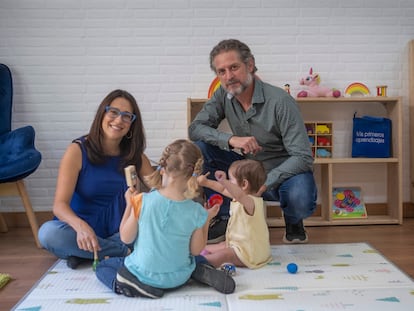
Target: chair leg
<point>29,210</point>
<point>3,224</point>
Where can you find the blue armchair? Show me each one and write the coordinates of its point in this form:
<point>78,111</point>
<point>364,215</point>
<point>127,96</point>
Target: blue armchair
<point>18,155</point>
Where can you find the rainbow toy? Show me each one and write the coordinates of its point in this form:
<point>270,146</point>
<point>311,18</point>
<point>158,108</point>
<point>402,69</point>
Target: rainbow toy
<point>215,84</point>
<point>357,89</point>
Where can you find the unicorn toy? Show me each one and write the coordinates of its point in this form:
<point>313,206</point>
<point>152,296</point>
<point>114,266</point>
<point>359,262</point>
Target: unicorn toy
<point>314,89</point>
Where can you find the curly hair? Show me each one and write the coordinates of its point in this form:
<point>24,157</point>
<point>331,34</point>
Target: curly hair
<point>232,45</point>
<point>180,158</point>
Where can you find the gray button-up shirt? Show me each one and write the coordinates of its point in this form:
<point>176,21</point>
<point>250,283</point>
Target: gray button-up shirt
<point>274,119</point>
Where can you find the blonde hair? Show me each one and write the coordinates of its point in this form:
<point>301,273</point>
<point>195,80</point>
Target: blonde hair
<point>180,158</point>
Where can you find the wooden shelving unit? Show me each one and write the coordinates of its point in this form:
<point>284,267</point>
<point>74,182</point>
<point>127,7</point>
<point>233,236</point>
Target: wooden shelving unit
<point>389,212</point>
<point>411,113</point>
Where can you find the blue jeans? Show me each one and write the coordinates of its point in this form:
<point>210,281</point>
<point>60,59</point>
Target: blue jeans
<point>297,195</point>
<point>107,269</point>
<point>60,239</point>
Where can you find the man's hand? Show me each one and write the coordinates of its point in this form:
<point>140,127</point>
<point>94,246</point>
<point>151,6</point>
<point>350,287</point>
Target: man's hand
<point>247,145</point>
<point>261,191</point>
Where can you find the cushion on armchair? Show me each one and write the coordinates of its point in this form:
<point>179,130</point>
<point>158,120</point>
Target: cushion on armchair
<point>18,155</point>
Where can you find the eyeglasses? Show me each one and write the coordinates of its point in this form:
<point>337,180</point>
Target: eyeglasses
<point>114,113</point>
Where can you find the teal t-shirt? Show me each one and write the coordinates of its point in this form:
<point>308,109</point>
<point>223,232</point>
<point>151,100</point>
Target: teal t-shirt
<point>161,256</point>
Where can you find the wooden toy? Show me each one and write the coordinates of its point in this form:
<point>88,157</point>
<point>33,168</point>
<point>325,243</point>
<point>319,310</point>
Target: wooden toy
<point>357,89</point>
<point>322,129</point>
<point>311,140</point>
<point>323,141</point>
<point>131,176</point>
<point>381,90</point>
<point>323,153</point>
<point>309,128</point>
<point>95,260</point>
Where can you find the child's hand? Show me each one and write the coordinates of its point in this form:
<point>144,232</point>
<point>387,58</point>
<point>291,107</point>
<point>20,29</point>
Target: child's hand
<point>131,191</point>
<point>220,175</point>
<point>202,179</point>
<point>213,211</point>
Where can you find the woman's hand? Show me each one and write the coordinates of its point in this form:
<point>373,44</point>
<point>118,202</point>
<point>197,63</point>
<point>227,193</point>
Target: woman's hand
<point>86,238</point>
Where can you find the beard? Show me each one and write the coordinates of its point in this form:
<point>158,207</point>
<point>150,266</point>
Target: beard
<point>240,89</point>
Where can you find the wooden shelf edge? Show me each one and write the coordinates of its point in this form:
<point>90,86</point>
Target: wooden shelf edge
<point>355,160</point>
<point>318,221</point>
<point>354,99</point>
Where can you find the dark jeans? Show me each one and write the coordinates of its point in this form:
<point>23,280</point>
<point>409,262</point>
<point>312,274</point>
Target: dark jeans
<point>107,269</point>
<point>297,195</point>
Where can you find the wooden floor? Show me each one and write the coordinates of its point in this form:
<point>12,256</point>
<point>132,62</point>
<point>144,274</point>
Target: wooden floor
<point>20,258</point>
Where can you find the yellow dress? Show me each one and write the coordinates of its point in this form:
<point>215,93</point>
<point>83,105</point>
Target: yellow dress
<point>249,235</point>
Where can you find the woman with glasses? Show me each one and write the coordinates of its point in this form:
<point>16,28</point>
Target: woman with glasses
<point>89,200</point>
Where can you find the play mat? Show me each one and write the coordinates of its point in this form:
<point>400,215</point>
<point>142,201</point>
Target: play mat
<point>329,277</point>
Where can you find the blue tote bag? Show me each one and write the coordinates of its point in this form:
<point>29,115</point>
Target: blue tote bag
<point>371,137</point>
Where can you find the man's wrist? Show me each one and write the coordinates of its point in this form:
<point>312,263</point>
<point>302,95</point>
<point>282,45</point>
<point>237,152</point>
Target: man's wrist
<point>230,145</point>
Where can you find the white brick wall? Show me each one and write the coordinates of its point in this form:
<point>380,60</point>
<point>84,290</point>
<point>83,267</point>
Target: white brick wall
<point>65,56</point>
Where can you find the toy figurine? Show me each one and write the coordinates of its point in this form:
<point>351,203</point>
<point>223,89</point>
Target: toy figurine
<point>314,89</point>
<point>287,88</point>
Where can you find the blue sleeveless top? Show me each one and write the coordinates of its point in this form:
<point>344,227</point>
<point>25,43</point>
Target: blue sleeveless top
<point>99,194</point>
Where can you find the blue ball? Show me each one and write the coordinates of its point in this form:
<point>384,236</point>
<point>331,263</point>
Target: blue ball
<point>292,268</point>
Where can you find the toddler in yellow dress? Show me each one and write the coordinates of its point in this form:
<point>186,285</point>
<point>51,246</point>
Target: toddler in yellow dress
<point>247,236</point>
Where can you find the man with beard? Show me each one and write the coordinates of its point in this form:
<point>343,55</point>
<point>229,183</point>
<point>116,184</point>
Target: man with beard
<point>267,126</point>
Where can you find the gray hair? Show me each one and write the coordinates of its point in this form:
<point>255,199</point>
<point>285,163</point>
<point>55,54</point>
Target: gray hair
<point>233,45</point>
